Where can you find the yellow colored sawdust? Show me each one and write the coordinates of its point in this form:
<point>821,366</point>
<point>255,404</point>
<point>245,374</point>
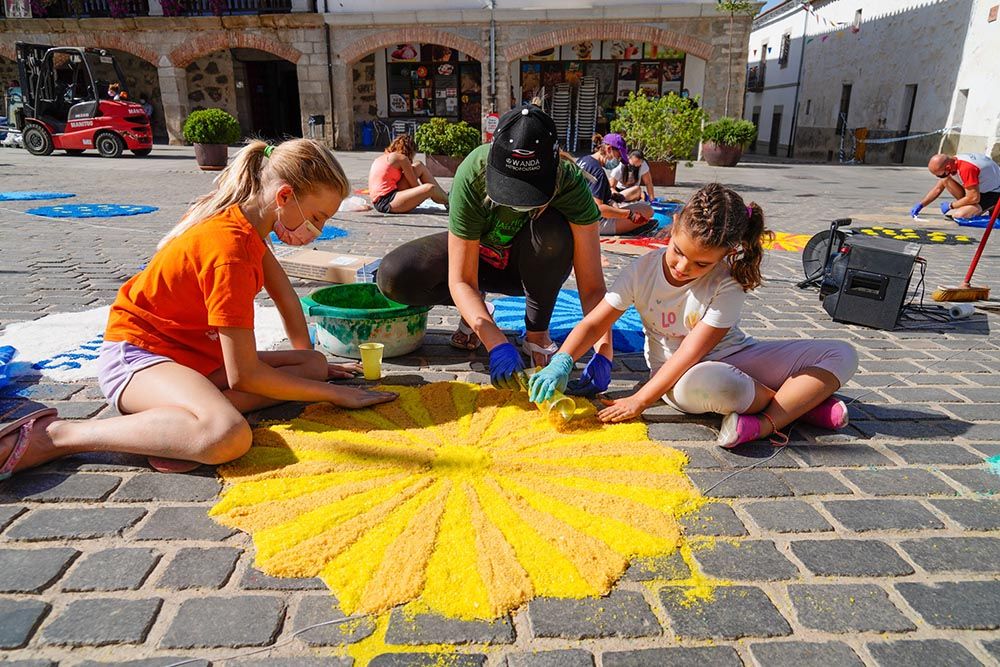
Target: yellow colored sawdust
<point>455,498</point>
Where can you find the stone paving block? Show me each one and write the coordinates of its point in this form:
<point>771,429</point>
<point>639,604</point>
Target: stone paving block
<point>988,450</point>
<point>748,484</point>
<point>979,411</point>
<point>757,453</point>
<point>733,612</point>
<point>975,394</point>
<point>787,516</point>
<point>976,479</point>
<point>899,482</point>
<point>30,663</point>
<point>33,570</point>
<point>716,519</point>
<point>971,514</point>
<point>428,660</point>
<point>195,567</point>
<point>315,609</point>
<point>909,652</point>
<point>81,524</point>
<point>699,457</point>
<point>118,569</point>
<point>18,621</point>
<point>955,554</point>
<point>8,513</point>
<point>936,454</point>
<point>850,558</point>
<point>668,567</point>
<point>842,456</point>
<point>103,621</point>
<point>907,430</point>
<point>42,392</point>
<point>58,488</point>
<point>566,658</point>
<point>962,605</point>
<point>804,654</point>
<point>813,483</point>
<point>436,629</point>
<point>747,560</point>
<point>182,523</point>
<point>866,515</point>
<point>618,614</point>
<point>100,462</point>
<point>702,656</point>
<point>152,662</point>
<point>77,409</point>
<point>681,432</point>
<point>847,608</point>
<point>993,648</point>
<point>981,432</point>
<point>225,622</point>
<point>157,486</point>
<point>255,580</point>
<point>895,412</point>
<point>923,395</point>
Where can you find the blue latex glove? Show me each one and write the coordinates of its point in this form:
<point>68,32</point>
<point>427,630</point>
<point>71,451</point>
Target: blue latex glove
<point>945,207</point>
<point>917,208</point>
<point>595,378</point>
<point>543,384</point>
<point>505,364</point>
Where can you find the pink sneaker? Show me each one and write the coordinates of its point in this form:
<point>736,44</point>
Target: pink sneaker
<point>830,414</point>
<point>737,429</point>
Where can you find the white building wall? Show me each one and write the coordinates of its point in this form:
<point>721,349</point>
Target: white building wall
<point>977,88</point>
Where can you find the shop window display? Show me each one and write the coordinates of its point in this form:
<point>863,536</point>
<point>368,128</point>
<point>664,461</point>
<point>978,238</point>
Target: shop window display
<point>430,80</point>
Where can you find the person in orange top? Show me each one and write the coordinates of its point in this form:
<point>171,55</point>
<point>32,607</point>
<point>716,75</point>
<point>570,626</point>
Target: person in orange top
<point>179,358</point>
<point>397,184</point>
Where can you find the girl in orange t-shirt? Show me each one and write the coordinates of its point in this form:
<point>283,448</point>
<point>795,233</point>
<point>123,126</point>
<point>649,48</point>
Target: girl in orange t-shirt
<point>179,360</point>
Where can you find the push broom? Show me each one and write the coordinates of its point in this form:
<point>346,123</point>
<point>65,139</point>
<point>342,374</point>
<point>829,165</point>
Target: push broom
<point>966,292</point>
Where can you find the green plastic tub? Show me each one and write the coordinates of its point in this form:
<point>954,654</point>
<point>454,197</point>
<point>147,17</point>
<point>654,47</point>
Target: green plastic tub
<point>348,315</point>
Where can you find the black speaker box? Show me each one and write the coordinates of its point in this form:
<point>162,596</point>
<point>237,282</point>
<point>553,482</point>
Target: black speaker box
<point>867,281</point>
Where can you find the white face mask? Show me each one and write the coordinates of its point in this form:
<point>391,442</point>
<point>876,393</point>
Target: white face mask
<point>524,209</point>
<point>612,163</point>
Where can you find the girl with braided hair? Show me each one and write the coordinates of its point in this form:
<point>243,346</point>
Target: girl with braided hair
<point>690,296</point>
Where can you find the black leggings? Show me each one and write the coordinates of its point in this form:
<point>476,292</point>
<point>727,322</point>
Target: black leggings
<point>541,257</point>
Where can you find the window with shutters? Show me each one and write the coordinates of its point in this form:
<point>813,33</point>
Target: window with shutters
<point>786,46</point>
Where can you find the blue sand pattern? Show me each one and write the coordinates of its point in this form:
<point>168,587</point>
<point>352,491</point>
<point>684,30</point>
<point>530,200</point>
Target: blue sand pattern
<point>27,195</point>
<point>626,334</point>
<point>91,210</point>
<point>6,354</point>
<point>329,232</point>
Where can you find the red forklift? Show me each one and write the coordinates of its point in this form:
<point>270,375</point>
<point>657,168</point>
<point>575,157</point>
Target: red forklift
<point>67,107</point>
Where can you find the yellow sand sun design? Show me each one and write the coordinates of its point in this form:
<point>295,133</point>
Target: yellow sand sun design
<point>460,498</point>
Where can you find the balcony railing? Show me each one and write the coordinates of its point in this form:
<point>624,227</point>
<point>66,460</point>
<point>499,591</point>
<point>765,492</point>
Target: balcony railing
<point>755,77</point>
<point>75,9</point>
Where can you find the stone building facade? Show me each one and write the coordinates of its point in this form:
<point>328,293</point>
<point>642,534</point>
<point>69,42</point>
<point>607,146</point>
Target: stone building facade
<point>185,63</point>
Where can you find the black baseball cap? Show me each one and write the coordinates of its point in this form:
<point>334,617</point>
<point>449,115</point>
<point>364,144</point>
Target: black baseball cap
<point>524,158</point>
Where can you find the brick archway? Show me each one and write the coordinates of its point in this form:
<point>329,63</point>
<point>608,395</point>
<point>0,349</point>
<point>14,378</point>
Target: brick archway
<point>187,53</point>
<point>100,41</point>
<point>362,47</point>
<point>633,33</point>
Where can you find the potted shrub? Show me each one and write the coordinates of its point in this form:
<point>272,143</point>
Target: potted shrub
<point>725,141</point>
<point>211,131</point>
<point>667,129</point>
<point>446,143</point>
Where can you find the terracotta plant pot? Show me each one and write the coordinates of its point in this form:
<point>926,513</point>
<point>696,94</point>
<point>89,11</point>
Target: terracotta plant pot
<point>211,157</point>
<point>663,173</point>
<point>720,155</point>
<point>443,165</point>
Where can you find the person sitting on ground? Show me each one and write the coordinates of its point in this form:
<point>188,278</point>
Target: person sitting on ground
<point>179,359</point>
<point>624,218</point>
<point>690,296</point>
<point>630,177</point>
<point>973,179</point>
<point>397,184</point>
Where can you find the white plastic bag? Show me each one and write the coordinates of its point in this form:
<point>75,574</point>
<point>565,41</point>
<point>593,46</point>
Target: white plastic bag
<point>354,204</point>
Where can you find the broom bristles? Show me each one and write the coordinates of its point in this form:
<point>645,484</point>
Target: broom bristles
<point>961,293</point>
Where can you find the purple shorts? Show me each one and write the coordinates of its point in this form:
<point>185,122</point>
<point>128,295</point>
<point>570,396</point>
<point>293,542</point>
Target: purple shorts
<point>117,363</point>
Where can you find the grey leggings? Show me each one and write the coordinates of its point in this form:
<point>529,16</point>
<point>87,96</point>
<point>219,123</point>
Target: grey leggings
<point>727,385</point>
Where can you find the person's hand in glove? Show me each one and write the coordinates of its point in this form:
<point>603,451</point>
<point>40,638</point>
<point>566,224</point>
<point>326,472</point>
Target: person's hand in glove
<point>595,378</point>
<point>945,208</point>
<point>544,384</point>
<point>917,208</point>
<point>505,364</point>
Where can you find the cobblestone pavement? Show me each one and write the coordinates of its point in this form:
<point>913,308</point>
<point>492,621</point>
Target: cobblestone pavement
<point>877,545</point>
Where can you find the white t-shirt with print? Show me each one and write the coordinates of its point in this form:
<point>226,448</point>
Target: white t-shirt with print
<point>618,173</point>
<point>670,313</point>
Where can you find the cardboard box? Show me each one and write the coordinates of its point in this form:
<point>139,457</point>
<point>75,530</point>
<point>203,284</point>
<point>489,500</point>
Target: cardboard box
<point>330,267</point>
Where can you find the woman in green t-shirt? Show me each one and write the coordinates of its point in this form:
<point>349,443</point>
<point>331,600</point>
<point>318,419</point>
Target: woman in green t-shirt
<point>521,219</point>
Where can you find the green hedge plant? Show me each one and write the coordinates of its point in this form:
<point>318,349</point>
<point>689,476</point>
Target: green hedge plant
<point>730,132</point>
<point>440,136</point>
<point>666,129</point>
<point>212,126</point>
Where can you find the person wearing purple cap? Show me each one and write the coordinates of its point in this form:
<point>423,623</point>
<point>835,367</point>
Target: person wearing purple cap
<point>521,218</point>
<point>632,218</point>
